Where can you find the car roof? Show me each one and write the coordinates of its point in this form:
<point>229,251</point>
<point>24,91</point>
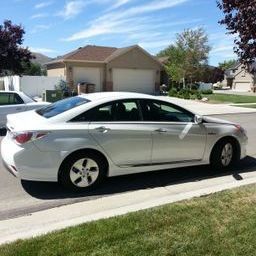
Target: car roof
<point>9,91</point>
<point>98,96</point>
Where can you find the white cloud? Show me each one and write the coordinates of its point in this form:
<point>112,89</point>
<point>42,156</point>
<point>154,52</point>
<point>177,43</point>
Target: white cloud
<point>43,4</point>
<point>222,48</point>
<point>125,21</point>
<point>72,9</point>
<point>42,50</point>
<point>119,3</point>
<point>39,28</point>
<point>155,44</point>
<point>39,15</point>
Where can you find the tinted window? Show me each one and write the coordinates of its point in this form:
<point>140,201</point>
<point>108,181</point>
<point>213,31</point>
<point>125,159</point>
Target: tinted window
<point>10,99</point>
<point>114,111</point>
<point>61,106</point>
<point>4,98</point>
<point>159,111</point>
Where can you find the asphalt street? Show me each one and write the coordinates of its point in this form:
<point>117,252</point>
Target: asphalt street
<point>19,198</point>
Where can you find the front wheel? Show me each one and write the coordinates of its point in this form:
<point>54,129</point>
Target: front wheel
<point>224,154</point>
<point>82,171</point>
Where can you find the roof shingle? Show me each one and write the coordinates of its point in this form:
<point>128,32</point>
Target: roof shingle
<point>88,53</point>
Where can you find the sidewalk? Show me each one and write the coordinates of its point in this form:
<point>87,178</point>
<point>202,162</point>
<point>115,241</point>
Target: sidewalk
<point>202,108</point>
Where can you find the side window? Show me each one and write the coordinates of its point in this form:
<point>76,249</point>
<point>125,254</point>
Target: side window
<point>17,99</point>
<point>158,111</point>
<point>4,99</point>
<point>115,111</point>
<point>10,99</point>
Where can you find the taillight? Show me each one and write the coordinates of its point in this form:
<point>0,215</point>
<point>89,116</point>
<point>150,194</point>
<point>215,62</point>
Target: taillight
<point>25,137</point>
<point>22,138</point>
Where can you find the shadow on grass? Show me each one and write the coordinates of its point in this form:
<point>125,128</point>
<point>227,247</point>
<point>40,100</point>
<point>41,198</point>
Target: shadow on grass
<point>121,184</point>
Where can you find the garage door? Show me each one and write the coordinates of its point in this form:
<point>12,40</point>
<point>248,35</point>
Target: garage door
<point>242,86</point>
<point>134,80</point>
<point>90,75</point>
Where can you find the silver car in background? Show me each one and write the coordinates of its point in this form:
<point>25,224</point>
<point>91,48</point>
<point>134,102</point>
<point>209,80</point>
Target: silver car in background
<point>14,102</point>
<point>81,140</point>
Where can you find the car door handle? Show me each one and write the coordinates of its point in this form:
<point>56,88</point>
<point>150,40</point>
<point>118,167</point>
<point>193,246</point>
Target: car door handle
<point>102,129</point>
<point>19,108</point>
<point>161,130</point>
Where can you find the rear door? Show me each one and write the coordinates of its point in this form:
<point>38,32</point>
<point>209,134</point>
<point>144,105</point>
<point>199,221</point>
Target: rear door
<point>10,103</point>
<point>176,137</point>
<point>118,129</point>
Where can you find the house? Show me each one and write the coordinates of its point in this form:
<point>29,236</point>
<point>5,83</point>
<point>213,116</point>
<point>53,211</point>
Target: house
<point>238,78</point>
<point>109,68</point>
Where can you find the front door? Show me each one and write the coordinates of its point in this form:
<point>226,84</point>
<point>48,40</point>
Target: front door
<point>176,138</point>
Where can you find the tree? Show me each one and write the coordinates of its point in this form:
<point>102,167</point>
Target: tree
<point>240,20</point>
<point>209,74</point>
<point>187,56</point>
<point>12,55</point>
<point>33,69</point>
<point>227,64</point>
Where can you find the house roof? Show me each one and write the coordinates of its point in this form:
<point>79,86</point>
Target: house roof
<point>92,53</point>
<point>88,53</point>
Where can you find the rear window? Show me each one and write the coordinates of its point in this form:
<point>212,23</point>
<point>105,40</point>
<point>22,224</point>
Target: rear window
<point>61,106</point>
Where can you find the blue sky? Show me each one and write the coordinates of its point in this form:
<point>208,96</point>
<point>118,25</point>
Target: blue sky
<point>55,27</point>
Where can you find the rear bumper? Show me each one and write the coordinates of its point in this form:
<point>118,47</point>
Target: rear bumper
<point>10,169</point>
<point>28,162</point>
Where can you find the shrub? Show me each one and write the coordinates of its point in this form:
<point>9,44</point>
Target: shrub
<point>199,95</point>
<point>173,92</point>
<point>193,97</point>
<point>186,94</point>
<point>207,91</point>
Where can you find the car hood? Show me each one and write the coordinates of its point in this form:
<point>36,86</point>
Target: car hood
<point>208,119</point>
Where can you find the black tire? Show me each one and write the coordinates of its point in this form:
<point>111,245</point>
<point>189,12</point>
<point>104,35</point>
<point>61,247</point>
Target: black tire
<point>67,170</point>
<point>217,159</point>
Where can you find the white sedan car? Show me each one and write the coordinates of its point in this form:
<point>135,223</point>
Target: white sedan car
<point>13,102</point>
<point>81,140</point>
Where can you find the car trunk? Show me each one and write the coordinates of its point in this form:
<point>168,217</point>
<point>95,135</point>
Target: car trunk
<point>24,121</point>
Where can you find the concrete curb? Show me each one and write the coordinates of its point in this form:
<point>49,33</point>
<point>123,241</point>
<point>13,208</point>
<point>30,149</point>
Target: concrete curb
<point>46,221</point>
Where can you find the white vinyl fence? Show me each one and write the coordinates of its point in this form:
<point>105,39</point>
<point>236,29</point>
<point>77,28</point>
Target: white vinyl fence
<point>31,85</point>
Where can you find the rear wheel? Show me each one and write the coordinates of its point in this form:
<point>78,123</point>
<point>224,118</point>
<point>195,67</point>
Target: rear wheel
<point>82,171</point>
<point>224,154</point>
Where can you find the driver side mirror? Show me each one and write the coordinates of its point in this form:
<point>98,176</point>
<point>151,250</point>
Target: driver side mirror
<point>198,119</point>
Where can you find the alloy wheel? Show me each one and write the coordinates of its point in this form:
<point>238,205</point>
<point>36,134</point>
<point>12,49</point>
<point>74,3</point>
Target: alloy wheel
<point>227,154</point>
<point>84,172</point>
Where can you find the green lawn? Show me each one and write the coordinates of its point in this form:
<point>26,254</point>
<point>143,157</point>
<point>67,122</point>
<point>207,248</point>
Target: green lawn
<point>221,224</point>
<point>230,98</point>
<point>246,106</point>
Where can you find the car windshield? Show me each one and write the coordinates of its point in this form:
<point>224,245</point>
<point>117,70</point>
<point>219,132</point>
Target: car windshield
<point>61,106</point>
